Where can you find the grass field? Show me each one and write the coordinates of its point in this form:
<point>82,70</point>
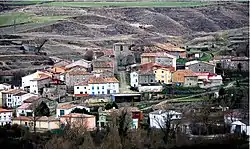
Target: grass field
<point>127,4</point>
<point>19,18</point>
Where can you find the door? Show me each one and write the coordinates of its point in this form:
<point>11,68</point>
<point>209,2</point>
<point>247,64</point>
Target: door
<point>237,129</point>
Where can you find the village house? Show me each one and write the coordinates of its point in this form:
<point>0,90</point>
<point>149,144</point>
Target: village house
<point>200,66</point>
<point>105,116</point>
<point>194,55</point>
<point>34,82</point>
<point>6,77</point>
<point>62,63</point>
<point>212,81</point>
<point>230,62</point>
<point>81,89</point>
<point>158,118</point>
<point>164,75</point>
<point>26,109</point>
<point>82,63</point>
<point>134,79</point>
<point>5,116</point>
<point>43,123</point>
<point>103,86</point>
<point>38,84</point>
<point>160,58</point>
<point>52,104</point>
<point>145,66</point>
<point>68,108</point>
<point>240,126</point>
<point>146,77</point>
<point>190,80</point>
<point>5,86</point>
<point>57,72</point>
<point>14,97</point>
<point>54,93</point>
<point>123,56</point>
<point>102,65</point>
<point>75,76</point>
<point>173,49</point>
<point>79,120</point>
<point>178,77</point>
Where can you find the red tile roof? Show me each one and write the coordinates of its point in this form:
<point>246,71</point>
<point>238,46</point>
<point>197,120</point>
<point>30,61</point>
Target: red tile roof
<point>66,106</point>
<point>4,110</point>
<point>157,54</point>
<point>78,115</point>
<point>31,99</point>
<point>100,80</point>
<point>78,72</point>
<point>14,91</point>
<point>82,83</point>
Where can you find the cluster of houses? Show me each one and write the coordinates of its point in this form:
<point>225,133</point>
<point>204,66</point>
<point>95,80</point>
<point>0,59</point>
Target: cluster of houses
<point>84,79</point>
<point>160,68</point>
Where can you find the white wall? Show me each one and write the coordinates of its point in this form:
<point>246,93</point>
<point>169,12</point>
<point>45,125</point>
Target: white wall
<point>4,87</point>
<point>149,88</point>
<point>5,118</point>
<point>113,87</point>
<point>244,127</point>
<point>34,87</point>
<point>174,63</point>
<point>134,79</point>
<point>158,120</point>
<point>68,111</point>
<point>22,111</point>
<point>26,80</point>
<point>81,88</point>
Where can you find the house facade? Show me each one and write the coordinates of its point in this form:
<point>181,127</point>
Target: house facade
<point>158,118</point>
<point>14,97</point>
<point>25,109</point>
<point>163,75</point>
<point>75,76</point>
<point>103,86</point>
<point>172,49</point>
<point>134,79</point>
<point>160,58</point>
<point>38,84</point>
<point>190,81</point>
<point>68,108</point>
<point>146,77</point>
<point>5,116</point>
<point>81,89</point>
<point>84,63</point>
<point>200,66</point>
<point>43,123</point>
<point>103,64</point>
<point>76,120</point>
<point>178,77</point>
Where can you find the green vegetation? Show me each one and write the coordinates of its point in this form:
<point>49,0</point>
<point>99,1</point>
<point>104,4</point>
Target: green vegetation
<point>128,4</point>
<point>20,18</point>
<point>181,60</point>
<point>206,57</point>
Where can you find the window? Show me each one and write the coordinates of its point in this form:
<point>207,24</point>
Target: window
<point>162,71</point>
<point>102,92</point>
<point>151,80</point>
<point>114,91</point>
<point>102,87</point>
<point>199,69</point>
<point>9,95</point>
<point>86,93</point>
<point>4,117</point>
<point>84,87</point>
<point>204,70</point>
<point>61,112</point>
<point>93,93</point>
<point>25,123</point>
<point>93,87</point>
<point>98,87</point>
<point>77,87</point>
<point>98,92</point>
<point>81,92</point>
<point>121,48</point>
<point>189,83</point>
<point>155,71</point>
<point>135,80</point>
<point>162,76</point>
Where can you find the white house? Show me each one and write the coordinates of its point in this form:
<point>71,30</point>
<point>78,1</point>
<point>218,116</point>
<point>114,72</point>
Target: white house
<point>240,127</point>
<point>103,86</point>
<point>68,108</point>
<point>24,110</point>
<point>5,86</point>
<point>5,116</point>
<point>84,63</point>
<point>26,80</point>
<point>14,97</point>
<point>159,117</point>
<point>134,77</point>
<point>81,89</point>
<point>37,84</point>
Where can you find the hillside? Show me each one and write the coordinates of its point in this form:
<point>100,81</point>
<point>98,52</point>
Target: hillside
<point>72,30</point>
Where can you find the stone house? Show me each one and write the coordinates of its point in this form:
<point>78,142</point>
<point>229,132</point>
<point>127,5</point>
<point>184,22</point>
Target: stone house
<point>146,77</point>
<point>75,76</point>
<point>6,77</point>
<point>178,77</point>
<point>160,58</point>
<point>190,81</point>
<point>123,56</point>
<point>83,63</point>
<point>103,64</point>
<point>172,49</point>
<point>200,66</point>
